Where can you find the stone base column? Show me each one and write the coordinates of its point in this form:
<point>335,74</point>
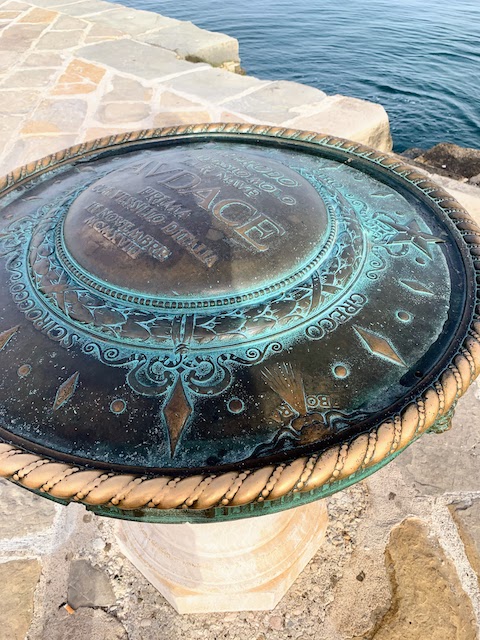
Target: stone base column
<point>243,565</point>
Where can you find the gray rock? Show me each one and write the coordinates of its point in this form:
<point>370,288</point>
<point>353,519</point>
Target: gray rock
<point>18,580</point>
<point>23,513</point>
<point>447,462</point>
<point>88,586</point>
<point>457,161</point>
<point>142,60</point>
<point>196,45</point>
<point>85,624</point>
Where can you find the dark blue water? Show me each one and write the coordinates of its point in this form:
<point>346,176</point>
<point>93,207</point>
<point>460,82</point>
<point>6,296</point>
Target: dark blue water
<point>419,58</point>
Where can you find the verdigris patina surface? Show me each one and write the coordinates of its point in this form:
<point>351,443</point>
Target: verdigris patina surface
<point>218,321</point>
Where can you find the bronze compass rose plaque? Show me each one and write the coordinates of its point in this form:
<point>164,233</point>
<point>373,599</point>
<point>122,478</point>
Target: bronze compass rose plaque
<point>219,321</point>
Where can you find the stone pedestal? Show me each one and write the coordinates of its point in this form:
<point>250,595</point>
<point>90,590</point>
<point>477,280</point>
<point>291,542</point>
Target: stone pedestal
<point>227,566</point>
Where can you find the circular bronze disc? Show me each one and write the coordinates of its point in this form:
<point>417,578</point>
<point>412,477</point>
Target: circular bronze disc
<point>221,320</point>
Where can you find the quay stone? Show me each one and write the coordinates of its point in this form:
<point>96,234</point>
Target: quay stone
<point>38,16</point>
<point>351,118</point>
<point>132,21</point>
<point>32,78</point>
<point>68,23</point>
<point>466,514</point>
<point>84,624</point>
<point>428,600</point>
<point>88,586</point>
<point>172,101</point>
<point>47,59</point>
<point>447,462</point>
<point>20,37</point>
<point>18,102</point>
<point>127,89</point>
<point>174,118</point>
<point>35,147</point>
<point>67,114</point>
<point>277,102</point>
<point>213,85</point>
<point>116,112</point>
<point>141,60</point>
<point>18,580</point>
<point>87,8</point>
<point>60,40</point>
<point>196,45</point>
<point>23,513</point>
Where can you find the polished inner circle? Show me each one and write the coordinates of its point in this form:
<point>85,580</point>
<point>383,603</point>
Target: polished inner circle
<point>202,224</point>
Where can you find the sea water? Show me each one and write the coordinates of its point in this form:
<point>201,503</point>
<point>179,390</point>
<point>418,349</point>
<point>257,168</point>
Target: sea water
<point>420,59</point>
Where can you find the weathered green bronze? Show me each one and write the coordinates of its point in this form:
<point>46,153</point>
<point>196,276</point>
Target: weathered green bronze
<point>218,321</point>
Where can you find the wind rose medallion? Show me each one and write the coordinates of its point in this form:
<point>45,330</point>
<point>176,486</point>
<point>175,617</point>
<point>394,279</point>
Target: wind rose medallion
<point>210,298</point>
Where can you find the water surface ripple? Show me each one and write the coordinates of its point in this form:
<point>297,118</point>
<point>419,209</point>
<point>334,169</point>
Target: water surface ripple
<point>419,58</point>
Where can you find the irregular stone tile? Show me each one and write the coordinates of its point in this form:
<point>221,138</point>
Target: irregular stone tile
<point>142,60</point>
<point>79,70</point>
<point>38,127</point>
<point>31,79</point>
<point>68,23</point>
<point>44,59</point>
<point>20,37</point>
<point>18,102</point>
<point>170,100</point>
<point>18,580</point>
<point>68,115</point>
<point>88,586</point>
<point>170,119</point>
<point>9,15</point>
<point>132,21</point>
<point>99,32</point>
<point>39,16</point>
<point>15,6</point>
<point>213,85</point>
<point>114,112</point>
<point>95,133</point>
<point>127,89</point>
<point>428,599</point>
<point>89,7</point>
<point>7,59</point>
<point>227,116</point>
<point>277,101</point>
<point>447,462</point>
<point>351,118</point>
<point>23,513</point>
<point>467,518</point>
<point>196,45</point>
<point>8,125</point>
<point>33,148</point>
<point>60,40</point>
<point>86,624</point>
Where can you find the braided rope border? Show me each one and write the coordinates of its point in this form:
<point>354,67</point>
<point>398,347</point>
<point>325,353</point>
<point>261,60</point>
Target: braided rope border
<point>359,456</point>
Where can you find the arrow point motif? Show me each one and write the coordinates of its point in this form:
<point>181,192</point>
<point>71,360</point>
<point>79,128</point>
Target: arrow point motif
<point>378,345</point>
<point>66,390</point>
<point>6,336</point>
<point>176,412</point>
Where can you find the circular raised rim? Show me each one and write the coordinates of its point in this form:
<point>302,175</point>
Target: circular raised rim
<point>310,476</point>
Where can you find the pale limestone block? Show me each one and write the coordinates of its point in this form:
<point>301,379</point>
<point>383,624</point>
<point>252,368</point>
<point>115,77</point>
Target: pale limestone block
<point>115,112</point>
<point>127,89</point>
<point>351,118</point>
<point>130,21</point>
<point>213,85</point>
<point>18,580</point>
<point>277,101</point>
<point>60,40</point>
<point>197,45</point>
<point>23,513</point>
<point>30,79</point>
<point>226,566</point>
<point>18,102</point>
<point>142,60</point>
<point>20,37</point>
